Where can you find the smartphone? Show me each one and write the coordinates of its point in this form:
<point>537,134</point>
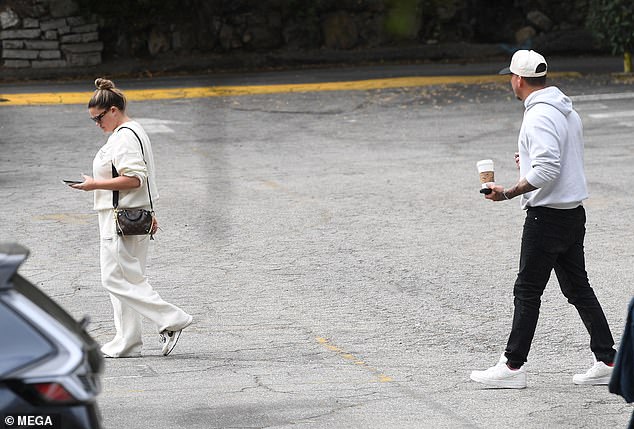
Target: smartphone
<point>71,182</point>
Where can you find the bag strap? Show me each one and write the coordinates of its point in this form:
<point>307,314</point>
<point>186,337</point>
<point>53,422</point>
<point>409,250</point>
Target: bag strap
<point>115,194</point>
<point>115,173</point>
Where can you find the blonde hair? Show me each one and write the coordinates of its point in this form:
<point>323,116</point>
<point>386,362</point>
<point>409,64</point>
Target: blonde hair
<point>107,95</point>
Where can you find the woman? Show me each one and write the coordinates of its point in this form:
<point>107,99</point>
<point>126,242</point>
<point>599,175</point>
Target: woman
<point>123,258</point>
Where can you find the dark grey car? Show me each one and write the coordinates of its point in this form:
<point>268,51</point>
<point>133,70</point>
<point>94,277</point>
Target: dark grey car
<point>50,368</point>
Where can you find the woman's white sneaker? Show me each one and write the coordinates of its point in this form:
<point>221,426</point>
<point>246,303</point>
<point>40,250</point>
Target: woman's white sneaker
<point>598,374</point>
<point>501,376</point>
<point>169,339</point>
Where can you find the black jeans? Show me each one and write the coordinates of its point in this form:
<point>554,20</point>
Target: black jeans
<point>553,239</point>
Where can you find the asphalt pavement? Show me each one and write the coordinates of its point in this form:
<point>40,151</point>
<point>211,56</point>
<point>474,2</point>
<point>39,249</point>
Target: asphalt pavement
<point>340,264</point>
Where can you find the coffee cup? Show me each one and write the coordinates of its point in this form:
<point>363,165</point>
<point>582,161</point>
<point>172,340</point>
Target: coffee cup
<point>487,174</point>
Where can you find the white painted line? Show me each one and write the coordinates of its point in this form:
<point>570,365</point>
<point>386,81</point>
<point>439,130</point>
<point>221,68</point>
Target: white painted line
<point>621,114</point>
<point>601,97</point>
<point>157,126</point>
<point>592,106</point>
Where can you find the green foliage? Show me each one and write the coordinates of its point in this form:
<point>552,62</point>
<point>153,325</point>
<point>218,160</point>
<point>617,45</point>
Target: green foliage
<point>403,19</point>
<point>613,22</point>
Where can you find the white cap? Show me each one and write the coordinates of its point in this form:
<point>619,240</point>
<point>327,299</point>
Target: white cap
<point>526,64</point>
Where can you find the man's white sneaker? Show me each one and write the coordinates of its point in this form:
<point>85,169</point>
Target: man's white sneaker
<point>501,376</point>
<point>598,374</point>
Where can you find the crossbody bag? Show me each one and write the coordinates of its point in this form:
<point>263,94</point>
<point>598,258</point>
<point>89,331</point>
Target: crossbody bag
<point>133,221</point>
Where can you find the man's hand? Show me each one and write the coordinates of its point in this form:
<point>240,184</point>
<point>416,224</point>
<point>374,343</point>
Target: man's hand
<point>497,193</point>
<point>517,160</point>
<point>500,194</point>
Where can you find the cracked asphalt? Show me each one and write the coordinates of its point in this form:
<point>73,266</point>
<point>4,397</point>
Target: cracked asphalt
<point>340,264</point>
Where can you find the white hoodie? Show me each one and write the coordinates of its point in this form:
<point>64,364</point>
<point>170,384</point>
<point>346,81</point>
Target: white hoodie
<point>551,151</point>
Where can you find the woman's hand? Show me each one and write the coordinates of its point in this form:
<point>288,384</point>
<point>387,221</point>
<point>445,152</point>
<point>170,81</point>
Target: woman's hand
<point>155,226</point>
<point>119,183</point>
<point>87,185</point>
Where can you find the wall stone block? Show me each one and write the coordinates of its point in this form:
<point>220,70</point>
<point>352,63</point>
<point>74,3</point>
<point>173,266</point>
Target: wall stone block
<point>53,24</point>
<point>75,21</point>
<point>90,37</point>
<point>41,64</point>
<point>80,48</point>
<point>30,23</point>
<point>70,38</point>
<point>20,34</point>
<point>8,19</point>
<point>12,44</point>
<point>20,54</point>
<point>83,59</point>
<point>50,55</point>
<point>88,28</point>
<point>80,38</point>
<point>41,44</point>
<point>17,63</point>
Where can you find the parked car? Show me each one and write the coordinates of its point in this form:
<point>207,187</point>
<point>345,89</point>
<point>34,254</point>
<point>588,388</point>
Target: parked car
<point>50,367</point>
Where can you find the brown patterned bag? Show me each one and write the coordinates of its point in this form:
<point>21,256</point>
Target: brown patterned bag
<point>134,221</point>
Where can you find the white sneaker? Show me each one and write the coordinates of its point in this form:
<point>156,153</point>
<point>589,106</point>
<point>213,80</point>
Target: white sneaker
<point>501,376</point>
<point>169,339</point>
<point>598,374</point>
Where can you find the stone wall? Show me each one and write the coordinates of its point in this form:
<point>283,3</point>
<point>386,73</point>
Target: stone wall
<point>47,34</point>
<point>229,26</point>
<point>58,33</point>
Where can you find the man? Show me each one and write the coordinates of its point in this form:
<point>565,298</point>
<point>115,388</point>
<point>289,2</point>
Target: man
<point>551,188</point>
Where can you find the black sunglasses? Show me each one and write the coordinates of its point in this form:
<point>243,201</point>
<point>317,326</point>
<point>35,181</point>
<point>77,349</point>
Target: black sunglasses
<point>97,119</point>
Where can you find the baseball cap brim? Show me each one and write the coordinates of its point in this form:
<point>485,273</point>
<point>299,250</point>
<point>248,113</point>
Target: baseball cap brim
<point>505,70</point>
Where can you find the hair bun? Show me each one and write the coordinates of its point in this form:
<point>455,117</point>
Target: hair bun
<point>102,83</point>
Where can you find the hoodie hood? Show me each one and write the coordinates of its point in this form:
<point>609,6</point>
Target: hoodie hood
<point>550,95</point>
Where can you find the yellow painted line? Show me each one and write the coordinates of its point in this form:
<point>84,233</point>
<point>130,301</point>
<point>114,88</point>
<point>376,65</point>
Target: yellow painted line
<point>232,91</point>
<point>381,378</point>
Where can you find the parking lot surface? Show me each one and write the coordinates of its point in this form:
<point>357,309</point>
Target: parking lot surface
<point>340,264</point>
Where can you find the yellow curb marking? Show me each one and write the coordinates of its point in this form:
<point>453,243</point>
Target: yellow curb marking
<point>231,91</point>
<point>381,378</point>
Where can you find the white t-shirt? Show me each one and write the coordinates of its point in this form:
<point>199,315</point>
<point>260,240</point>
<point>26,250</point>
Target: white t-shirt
<point>124,151</point>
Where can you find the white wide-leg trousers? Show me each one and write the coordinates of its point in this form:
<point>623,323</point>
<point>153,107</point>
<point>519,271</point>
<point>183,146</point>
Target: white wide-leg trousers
<point>123,261</point>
